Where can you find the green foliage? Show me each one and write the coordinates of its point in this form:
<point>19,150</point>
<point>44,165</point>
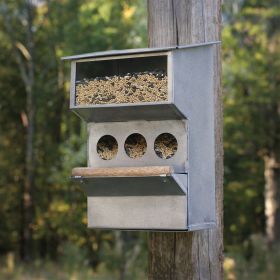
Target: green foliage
<point>12,269</point>
<point>251,61</point>
<point>253,262</point>
<point>60,28</point>
<point>125,255</point>
<point>73,257</point>
<point>71,264</point>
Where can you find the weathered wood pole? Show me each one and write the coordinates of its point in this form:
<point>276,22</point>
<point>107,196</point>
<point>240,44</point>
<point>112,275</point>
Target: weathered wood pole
<point>196,255</point>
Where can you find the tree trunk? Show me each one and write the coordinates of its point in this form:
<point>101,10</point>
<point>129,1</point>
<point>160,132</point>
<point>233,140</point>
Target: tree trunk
<point>29,153</point>
<point>24,56</point>
<point>272,199</point>
<point>193,255</point>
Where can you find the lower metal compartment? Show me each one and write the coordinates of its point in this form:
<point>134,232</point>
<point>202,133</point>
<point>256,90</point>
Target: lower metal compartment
<point>137,203</point>
<point>138,212</point>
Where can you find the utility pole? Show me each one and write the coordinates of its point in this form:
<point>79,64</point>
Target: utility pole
<point>190,255</point>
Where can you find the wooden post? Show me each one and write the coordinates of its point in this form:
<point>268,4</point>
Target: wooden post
<point>193,255</point>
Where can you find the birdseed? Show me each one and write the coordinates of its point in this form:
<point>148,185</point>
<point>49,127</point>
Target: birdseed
<point>166,145</point>
<point>128,88</point>
<point>107,147</point>
<point>135,145</point>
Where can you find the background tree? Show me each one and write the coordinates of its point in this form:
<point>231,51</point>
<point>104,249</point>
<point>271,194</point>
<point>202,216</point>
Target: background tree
<point>34,35</point>
<point>252,117</point>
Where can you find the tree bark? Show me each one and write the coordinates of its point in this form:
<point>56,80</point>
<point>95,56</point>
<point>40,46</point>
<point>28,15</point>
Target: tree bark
<point>193,255</point>
<point>272,198</point>
<point>28,213</point>
<point>24,56</point>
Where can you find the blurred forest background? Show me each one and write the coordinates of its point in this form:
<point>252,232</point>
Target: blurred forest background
<point>43,232</point>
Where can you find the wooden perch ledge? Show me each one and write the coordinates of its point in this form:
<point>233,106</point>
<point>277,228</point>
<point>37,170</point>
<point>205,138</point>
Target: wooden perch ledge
<point>122,171</point>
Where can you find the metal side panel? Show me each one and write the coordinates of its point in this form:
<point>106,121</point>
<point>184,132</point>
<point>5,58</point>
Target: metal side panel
<point>133,186</point>
<point>205,225</point>
<point>138,212</point>
<point>194,96</point>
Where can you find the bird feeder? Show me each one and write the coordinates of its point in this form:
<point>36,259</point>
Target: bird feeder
<point>150,117</point>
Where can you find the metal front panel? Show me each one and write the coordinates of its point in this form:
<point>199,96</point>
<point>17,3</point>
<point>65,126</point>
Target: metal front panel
<point>138,212</point>
<point>125,112</point>
<point>150,130</point>
<point>193,95</point>
<point>133,186</point>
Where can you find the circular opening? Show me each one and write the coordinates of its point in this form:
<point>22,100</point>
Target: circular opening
<point>166,145</point>
<point>107,147</point>
<point>135,145</point>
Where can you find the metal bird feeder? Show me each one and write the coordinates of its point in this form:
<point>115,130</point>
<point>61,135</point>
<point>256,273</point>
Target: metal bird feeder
<point>151,157</point>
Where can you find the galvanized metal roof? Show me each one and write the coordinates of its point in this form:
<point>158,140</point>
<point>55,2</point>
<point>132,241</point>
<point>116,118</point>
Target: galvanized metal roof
<point>134,51</point>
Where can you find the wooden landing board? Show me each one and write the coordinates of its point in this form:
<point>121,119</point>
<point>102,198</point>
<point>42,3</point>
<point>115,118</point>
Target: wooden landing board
<point>122,171</point>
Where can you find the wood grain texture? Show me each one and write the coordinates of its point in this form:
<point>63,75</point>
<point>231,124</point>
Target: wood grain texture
<point>193,255</point>
<point>122,171</point>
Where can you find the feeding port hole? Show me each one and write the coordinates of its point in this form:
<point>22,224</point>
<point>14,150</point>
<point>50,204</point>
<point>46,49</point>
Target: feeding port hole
<point>165,145</point>
<point>135,145</point>
<point>107,147</point>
